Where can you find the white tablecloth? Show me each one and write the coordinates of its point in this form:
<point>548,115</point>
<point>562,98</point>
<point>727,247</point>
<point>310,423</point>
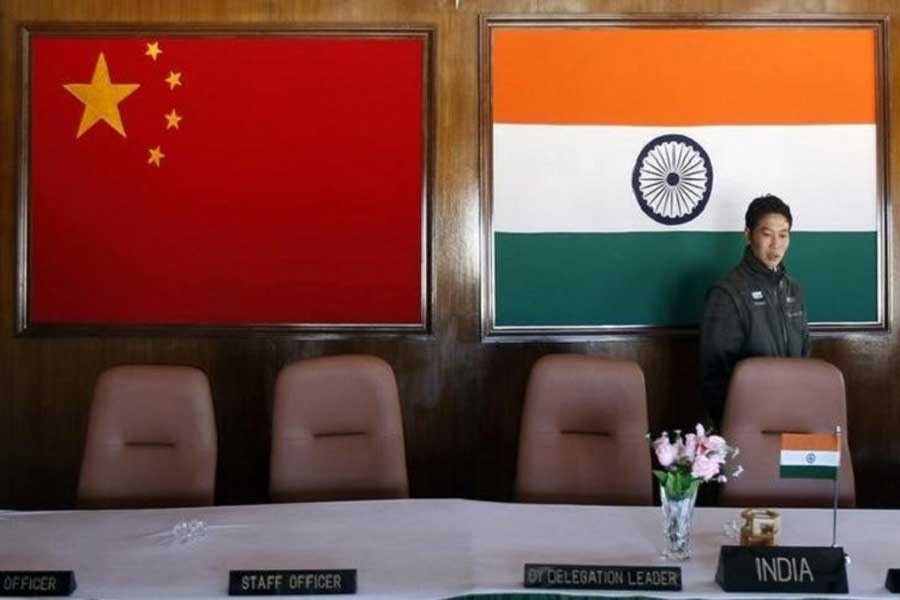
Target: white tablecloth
<point>404,548</point>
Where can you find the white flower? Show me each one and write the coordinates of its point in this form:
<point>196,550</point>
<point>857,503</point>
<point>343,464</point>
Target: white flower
<point>737,472</point>
<point>716,444</point>
<point>687,451</point>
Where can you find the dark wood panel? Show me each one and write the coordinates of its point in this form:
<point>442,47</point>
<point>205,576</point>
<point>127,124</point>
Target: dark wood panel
<point>462,398</point>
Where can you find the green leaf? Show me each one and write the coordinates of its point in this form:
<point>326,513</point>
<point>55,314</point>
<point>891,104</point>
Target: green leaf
<point>695,485</point>
<point>678,483</point>
<point>672,487</point>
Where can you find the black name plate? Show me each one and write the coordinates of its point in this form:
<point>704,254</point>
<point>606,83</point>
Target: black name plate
<point>603,577</point>
<point>784,569</point>
<point>289,583</point>
<point>37,583</point>
<point>892,582</point>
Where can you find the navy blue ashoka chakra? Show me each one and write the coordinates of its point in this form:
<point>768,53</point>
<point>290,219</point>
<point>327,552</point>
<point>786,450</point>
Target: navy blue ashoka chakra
<point>672,179</point>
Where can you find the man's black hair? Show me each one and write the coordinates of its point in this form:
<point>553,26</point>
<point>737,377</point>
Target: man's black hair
<point>765,205</point>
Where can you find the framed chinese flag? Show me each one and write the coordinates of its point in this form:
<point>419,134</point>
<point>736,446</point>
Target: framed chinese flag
<point>220,181</point>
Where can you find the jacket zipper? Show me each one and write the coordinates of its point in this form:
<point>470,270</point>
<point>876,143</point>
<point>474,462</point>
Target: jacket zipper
<point>781,315</point>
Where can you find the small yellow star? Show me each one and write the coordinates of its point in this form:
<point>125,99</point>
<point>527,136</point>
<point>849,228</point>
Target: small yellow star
<point>101,98</point>
<point>173,79</point>
<point>153,50</point>
<point>172,119</point>
<point>156,156</point>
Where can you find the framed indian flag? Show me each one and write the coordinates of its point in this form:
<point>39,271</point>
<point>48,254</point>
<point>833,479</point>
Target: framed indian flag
<point>224,180</point>
<point>619,156</point>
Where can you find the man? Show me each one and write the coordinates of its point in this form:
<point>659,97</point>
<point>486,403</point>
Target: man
<point>757,310</point>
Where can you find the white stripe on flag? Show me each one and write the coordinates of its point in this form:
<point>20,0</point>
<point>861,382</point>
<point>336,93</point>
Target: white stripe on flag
<point>565,178</point>
<point>800,458</point>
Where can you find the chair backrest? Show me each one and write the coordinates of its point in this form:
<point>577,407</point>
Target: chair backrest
<point>583,435</point>
<point>771,396</point>
<point>151,439</point>
<point>337,433</point>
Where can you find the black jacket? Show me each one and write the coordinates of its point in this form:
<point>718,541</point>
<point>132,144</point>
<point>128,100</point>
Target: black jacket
<point>753,311</point>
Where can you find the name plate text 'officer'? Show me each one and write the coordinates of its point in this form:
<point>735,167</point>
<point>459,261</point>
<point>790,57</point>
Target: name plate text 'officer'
<point>37,583</point>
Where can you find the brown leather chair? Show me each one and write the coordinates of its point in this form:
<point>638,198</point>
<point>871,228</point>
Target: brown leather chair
<point>337,433</point>
<point>151,439</point>
<point>583,435</point>
<point>770,396</point>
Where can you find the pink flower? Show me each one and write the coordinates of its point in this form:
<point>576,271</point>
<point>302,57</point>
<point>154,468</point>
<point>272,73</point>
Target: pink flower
<point>705,468</point>
<point>689,459</point>
<point>665,451</point>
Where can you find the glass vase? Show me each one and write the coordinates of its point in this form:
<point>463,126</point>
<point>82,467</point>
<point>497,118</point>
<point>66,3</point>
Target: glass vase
<point>677,514</point>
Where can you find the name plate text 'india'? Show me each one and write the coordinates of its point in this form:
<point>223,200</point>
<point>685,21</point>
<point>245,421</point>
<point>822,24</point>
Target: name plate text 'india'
<point>603,577</point>
<point>290,583</point>
<point>37,583</point>
<point>783,569</point>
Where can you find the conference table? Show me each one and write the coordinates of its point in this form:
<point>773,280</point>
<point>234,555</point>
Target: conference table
<point>422,548</point>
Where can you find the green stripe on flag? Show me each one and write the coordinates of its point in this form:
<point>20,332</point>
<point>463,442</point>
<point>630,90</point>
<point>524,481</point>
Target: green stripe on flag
<point>650,278</point>
<point>807,472</point>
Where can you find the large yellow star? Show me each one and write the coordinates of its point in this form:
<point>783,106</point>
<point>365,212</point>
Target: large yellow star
<point>172,119</point>
<point>153,50</point>
<point>101,98</point>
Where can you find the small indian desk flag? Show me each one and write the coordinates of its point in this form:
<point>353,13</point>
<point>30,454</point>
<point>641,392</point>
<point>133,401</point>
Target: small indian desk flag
<point>810,455</point>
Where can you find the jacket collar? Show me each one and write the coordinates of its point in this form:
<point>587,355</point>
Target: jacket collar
<point>758,269</point>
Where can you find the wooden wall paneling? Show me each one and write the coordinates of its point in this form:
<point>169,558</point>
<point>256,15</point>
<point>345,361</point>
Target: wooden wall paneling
<point>243,376</point>
<point>461,398</point>
<point>7,261</point>
<point>51,397</point>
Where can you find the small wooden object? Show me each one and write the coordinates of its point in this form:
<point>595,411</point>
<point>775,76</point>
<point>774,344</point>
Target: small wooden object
<point>761,527</point>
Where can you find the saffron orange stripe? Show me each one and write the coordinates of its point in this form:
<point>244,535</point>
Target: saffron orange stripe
<point>808,441</point>
<point>683,76</point>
